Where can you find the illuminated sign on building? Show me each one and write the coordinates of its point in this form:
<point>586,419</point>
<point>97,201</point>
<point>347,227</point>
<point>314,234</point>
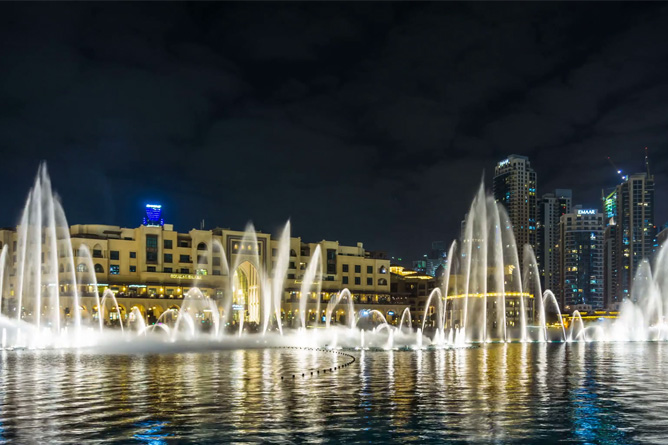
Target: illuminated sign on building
<point>587,212</point>
<point>185,276</point>
<point>504,162</point>
<point>238,307</point>
<point>153,216</point>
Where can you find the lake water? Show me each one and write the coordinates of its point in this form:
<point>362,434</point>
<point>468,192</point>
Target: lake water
<point>516,393</point>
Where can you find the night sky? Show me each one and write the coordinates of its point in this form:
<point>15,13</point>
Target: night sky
<point>363,122</point>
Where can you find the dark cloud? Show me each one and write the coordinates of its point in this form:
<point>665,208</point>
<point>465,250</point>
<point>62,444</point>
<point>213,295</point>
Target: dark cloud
<point>365,122</point>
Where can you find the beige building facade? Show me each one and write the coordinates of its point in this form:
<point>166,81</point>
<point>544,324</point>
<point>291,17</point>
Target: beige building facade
<point>151,268</point>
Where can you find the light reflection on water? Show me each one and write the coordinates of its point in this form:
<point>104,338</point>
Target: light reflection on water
<point>580,393</point>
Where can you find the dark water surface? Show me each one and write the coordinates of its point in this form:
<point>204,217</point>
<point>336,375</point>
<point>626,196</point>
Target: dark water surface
<point>595,393</point>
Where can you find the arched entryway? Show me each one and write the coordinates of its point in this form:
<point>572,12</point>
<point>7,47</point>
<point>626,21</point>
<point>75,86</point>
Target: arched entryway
<point>246,293</point>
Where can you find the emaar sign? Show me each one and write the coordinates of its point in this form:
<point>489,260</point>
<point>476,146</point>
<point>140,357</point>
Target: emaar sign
<point>587,212</point>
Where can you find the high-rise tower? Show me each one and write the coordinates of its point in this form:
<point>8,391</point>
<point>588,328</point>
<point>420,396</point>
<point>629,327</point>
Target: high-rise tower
<point>551,207</point>
<point>515,187</point>
<point>581,246</point>
<point>630,233</point>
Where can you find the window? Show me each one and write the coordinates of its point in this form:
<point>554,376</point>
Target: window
<point>97,253</point>
<point>345,267</point>
<point>167,270</point>
<point>369,281</point>
<point>358,280</point>
<point>150,269</point>
<point>216,247</point>
<point>99,268</point>
<point>382,282</point>
<point>331,261</point>
<point>184,258</point>
<point>185,270</point>
<point>114,269</point>
<point>133,268</point>
<point>273,252</point>
<point>344,280</point>
<point>216,261</point>
<point>291,276</point>
<point>201,246</point>
<point>202,259</point>
<point>369,269</point>
<point>167,244</point>
<point>358,268</point>
<point>216,272</point>
<point>82,268</point>
<point>113,255</point>
<point>151,248</point>
<point>292,265</point>
<point>133,254</point>
<point>382,269</point>
<point>167,258</point>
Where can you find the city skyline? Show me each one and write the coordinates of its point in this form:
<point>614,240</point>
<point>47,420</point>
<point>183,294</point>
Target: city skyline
<point>212,121</point>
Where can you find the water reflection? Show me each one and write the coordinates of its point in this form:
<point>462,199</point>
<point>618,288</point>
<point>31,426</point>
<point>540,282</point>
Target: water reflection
<point>581,393</point>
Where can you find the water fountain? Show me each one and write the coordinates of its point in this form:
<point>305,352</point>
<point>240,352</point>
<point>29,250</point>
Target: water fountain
<point>483,297</point>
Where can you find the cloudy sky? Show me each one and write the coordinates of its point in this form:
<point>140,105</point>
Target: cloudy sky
<point>363,122</point>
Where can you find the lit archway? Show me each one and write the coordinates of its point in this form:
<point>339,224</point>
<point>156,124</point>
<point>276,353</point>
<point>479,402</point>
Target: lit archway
<point>246,293</point>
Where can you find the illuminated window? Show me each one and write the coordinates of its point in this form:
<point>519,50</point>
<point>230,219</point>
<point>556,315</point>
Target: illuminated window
<point>82,268</point>
<point>114,269</point>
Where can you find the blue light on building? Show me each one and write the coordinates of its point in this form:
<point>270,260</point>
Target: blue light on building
<point>153,216</point>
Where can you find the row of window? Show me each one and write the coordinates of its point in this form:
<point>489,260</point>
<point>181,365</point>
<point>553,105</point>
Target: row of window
<point>358,269</point>
<point>369,281</point>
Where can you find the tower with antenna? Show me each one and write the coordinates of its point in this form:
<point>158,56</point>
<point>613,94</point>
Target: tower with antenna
<point>630,232</point>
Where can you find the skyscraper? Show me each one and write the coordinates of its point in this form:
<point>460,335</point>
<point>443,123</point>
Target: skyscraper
<point>550,209</point>
<point>515,187</point>
<point>630,233</point>
<point>581,256</point>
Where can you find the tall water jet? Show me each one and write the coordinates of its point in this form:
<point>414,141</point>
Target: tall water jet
<point>280,271</point>
<point>406,315</point>
<point>345,293</point>
<point>439,308</point>
<point>530,283</point>
<point>313,271</point>
<point>87,277</point>
<point>245,284</point>
<point>3,262</point>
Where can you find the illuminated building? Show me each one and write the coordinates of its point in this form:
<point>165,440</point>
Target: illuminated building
<point>413,286</point>
<point>152,268</point>
<point>550,210</point>
<point>582,258</point>
<point>629,235</point>
<point>515,186</point>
